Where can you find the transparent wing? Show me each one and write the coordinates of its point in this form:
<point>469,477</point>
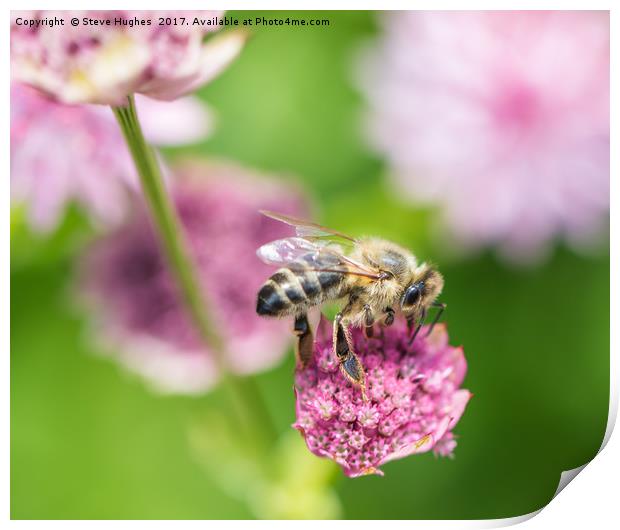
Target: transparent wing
<point>307,229</point>
<point>285,251</point>
<point>320,257</point>
<point>313,237</point>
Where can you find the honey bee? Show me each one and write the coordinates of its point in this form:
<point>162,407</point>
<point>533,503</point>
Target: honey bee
<point>376,278</point>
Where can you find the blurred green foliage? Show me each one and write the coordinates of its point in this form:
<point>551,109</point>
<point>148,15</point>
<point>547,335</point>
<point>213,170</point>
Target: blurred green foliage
<point>90,441</point>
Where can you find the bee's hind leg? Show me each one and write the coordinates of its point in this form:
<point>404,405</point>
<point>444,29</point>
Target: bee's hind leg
<point>350,366</point>
<point>305,340</point>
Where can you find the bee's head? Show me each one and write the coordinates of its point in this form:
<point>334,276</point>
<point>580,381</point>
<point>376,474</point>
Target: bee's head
<point>423,290</point>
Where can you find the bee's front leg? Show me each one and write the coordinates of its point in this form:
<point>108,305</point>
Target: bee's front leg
<point>389,316</point>
<point>350,365</point>
<point>369,320</point>
<point>419,326</point>
<point>442,308</point>
<point>410,324</point>
<point>305,341</point>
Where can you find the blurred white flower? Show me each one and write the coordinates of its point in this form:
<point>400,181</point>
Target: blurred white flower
<point>62,153</point>
<point>501,119</point>
<point>105,63</point>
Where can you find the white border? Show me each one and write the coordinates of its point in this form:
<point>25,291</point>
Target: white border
<point>591,500</point>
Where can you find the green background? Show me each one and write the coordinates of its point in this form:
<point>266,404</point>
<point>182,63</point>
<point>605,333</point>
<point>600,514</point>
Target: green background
<point>90,441</point>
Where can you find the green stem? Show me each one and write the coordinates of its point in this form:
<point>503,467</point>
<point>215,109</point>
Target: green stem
<point>175,248</point>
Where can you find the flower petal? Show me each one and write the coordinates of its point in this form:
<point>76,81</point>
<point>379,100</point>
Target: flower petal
<point>180,121</point>
<point>217,54</point>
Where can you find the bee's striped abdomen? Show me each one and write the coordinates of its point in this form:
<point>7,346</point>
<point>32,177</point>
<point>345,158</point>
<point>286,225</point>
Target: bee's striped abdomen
<point>293,289</point>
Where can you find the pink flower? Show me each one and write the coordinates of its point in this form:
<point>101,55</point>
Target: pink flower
<point>105,62</point>
<point>499,118</point>
<point>140,319</point>
<point>414,393</point>
<point>62,153</point>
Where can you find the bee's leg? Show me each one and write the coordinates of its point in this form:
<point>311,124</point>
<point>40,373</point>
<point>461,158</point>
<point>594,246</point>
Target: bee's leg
<point>389,316</point>
<point>410,324</point>
<point>442,308</point>
<point>305,341</point>
<point>350,365</point>
<point>418,327</point>
<point>369,320</point>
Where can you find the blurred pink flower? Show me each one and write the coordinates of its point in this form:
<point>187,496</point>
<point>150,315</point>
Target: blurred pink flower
<point>140,319</point>
<point>499,118</point>
<point>62,153</point>
<point>91,63</point>
<point>414,399</point>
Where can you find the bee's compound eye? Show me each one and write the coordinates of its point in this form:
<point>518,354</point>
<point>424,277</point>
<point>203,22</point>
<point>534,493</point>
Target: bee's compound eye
<point>412,294</point>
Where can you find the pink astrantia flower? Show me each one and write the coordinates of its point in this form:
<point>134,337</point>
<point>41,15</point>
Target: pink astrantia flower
<point>103,63</point>
<point>139,317</point>
<point>62,153</point>
<point>499,118</point>
<point>414,395</point>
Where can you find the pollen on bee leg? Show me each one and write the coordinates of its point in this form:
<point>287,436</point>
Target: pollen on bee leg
<point>353,371</point>
<point>364,396</point>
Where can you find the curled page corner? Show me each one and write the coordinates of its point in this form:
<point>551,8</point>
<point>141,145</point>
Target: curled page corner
<point>567,476</point>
